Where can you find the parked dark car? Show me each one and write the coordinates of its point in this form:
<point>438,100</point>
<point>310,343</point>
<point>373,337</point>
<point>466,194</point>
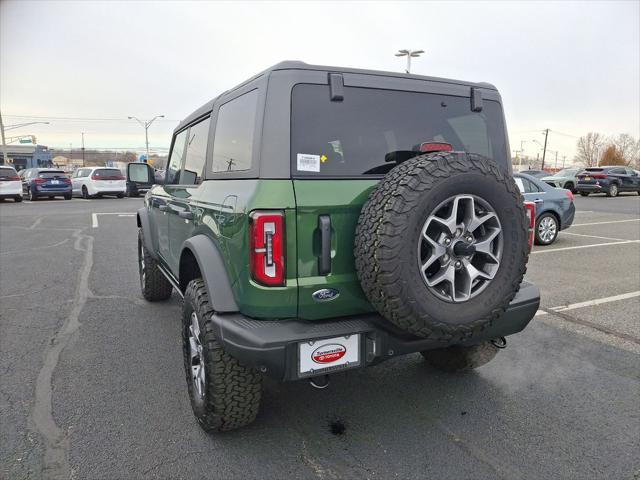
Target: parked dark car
<point>554,207</point>
<point>46,182</point>
<point>610,180</point>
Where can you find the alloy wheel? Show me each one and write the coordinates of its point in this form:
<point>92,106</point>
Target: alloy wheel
<point>197,359</point>
<point>460,248</point>
<point>547,229</point>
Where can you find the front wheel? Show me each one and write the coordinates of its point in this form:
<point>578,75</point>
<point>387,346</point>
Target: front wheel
<point>584,194</point>
<point>67,196</point>
<point>224,393</point>
<point>570,186</point>
<point>18,199</point>
<point>546,229</point>
<point>459,359</point>
<point>613,191</point>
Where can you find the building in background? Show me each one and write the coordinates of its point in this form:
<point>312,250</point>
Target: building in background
<point>29,156</point>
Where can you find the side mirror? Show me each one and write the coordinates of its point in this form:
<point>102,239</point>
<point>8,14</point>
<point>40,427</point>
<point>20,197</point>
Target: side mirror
<point>140,173</point>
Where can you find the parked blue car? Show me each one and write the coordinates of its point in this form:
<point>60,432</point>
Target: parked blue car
<point>45,182</point>
<point>554,207</point>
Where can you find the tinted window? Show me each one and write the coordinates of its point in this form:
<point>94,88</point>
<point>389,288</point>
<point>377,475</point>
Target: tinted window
<point>175,161</point>
<point>7,172</point>
<point>617,171</point>
<point>372,130</point>
<point>51,174</point>
<point>233,142</point>
<point>525,185</point>
<point>196,153</point>
<point>593,169</point>
<point>108,174</point>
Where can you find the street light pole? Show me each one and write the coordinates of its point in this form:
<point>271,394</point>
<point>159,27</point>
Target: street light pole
<point>5,156</point>
<point>146,126</point>
<point>544,149</point>
<point>409,54</point>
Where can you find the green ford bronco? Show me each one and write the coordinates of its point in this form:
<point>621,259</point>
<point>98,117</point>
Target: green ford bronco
<point>320,219</point>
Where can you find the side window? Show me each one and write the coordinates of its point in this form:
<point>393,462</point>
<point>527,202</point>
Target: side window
<point>172,176</point>
<point>233,142</point>
<point>520,184</point>
<point>616,171</point>
<point>196,153</point>
<point>531,187</point>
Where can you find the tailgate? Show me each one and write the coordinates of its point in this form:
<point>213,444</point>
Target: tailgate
<point>333,206</point>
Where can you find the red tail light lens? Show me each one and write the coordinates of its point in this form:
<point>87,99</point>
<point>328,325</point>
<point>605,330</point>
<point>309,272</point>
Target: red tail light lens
<point>569,195</point>
<point>435,147</point>
<point>530,209</point>
<point>266,238</point>
<point>598,175</point>
<point>66,180</point>
<point>95,177</point>
<point>14,178</point>
<point>40,181</point>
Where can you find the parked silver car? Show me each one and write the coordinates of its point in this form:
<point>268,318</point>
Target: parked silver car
<point>565,178</point>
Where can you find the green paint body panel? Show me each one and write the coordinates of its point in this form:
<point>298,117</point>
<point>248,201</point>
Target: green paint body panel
<point>221,210</point>
<point>342,200</point>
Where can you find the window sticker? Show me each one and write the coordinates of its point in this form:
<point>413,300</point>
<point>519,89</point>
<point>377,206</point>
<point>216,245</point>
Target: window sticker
<point>308,163</point>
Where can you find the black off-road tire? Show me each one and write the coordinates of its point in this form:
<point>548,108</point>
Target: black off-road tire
<point>154,285</point>
<point>232,391</point>
<point>388,232</point>
<point>459,359</point>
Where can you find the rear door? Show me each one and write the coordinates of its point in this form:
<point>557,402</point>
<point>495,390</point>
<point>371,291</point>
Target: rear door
<point>341,148</point>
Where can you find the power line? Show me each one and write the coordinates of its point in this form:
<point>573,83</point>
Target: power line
<point>82,118</point>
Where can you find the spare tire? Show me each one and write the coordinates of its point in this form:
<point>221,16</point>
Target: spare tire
<point>441,245</point>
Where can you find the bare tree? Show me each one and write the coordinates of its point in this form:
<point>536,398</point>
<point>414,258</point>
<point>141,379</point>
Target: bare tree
<point>588,149</point>
<point>625,145</point>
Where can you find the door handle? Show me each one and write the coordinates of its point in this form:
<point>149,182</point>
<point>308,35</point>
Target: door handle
<point>186,215</point>
<point>538,200</point>
<point>324,262</point>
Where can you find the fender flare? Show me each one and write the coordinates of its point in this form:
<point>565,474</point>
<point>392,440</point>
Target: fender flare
<point>214,272</point>
<point>142,219</point>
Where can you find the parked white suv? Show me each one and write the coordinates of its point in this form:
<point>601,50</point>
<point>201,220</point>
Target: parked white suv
<point>98,181</point>
<point>10,183</point>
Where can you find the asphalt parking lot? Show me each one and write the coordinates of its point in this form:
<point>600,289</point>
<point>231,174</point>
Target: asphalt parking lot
<point>92,382</point>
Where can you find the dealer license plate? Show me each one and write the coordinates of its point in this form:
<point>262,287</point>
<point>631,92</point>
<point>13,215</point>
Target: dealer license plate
<point>587,179</point>
<point>329,354</point>
<point>55,182</point>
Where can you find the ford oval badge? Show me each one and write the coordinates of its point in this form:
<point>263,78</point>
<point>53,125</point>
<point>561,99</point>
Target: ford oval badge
<point>325,295</point>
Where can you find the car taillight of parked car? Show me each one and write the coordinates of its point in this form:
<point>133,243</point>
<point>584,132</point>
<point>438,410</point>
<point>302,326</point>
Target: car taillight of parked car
<point>40,181</point>
<point>14,178</point>
<point>530,209</point>
<point>569,195</point>
<point>266,256</point>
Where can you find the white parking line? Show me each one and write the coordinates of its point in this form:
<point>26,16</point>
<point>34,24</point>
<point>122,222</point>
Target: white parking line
<point>605,223</point>
<point>94,216</point>
<point>594,236</point>
<point>591,303</point>
<point>584,246</point>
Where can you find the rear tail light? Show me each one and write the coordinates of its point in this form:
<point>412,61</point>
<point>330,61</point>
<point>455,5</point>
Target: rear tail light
<point>569,195</point>
<point>120,177</point>
<point>14,178</point>
<point>266,237</point>
<point>530,209</point>
<point>40,181</point>
<point>429,147</point>
<point>598,175</point>
<point>95,177</point>
<point>66,180</point>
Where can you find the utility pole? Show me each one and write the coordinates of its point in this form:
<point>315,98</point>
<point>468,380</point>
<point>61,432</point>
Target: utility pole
<point>556,160</point>
<point>82,149</point>
<point>563,158</point>
<point>5,156</point>
<point>544,149</point>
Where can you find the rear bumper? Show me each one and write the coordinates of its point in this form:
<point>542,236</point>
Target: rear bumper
<point>8,191</point>
<point>590,187</point>
<point>39,191</point>
<point>272,346</point>
<point>568,217</point>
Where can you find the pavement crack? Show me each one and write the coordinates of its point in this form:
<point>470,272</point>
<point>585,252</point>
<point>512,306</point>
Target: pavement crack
<point>56,441</point>
<point>16,252</point>
<point>595,326</point>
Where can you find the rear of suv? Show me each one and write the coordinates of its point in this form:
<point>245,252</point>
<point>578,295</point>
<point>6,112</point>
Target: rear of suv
<point>98,181</point>
<point>610,180</point>
<point>320,219</point>
<point>10,184</point>
<point>46,182</point>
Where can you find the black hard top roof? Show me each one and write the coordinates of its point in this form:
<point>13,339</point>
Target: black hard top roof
<point>298,65</point>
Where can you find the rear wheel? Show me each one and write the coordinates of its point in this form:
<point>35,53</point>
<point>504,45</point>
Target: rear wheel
<point>85,193</point>
<point>17,199</point>
<point>67,196</point>
<point>584,194</point>
<point>32,195</point>
<point>120,195</point>
<point>224,393</point>
<point>613,191</point>
<point>546,229</point>
<point>459,359</point>
<point>153,283</point>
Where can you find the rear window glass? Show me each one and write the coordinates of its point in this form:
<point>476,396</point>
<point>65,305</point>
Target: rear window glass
<point>7,172</point>
<point>108,174</point>
<point>372,130</point>
<point>593,169</point>
<point>51,174</point>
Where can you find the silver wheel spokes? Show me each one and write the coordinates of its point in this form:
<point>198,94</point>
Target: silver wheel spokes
<point>547,229</point>
<point>143,270</point>
<point>195,350</point>
<point>460,248</point>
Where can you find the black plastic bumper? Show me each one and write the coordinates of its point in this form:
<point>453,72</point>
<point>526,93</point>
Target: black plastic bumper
<point>272,345</point>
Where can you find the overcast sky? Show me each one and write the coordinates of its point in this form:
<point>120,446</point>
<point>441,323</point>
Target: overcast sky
<point>570,67</point>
